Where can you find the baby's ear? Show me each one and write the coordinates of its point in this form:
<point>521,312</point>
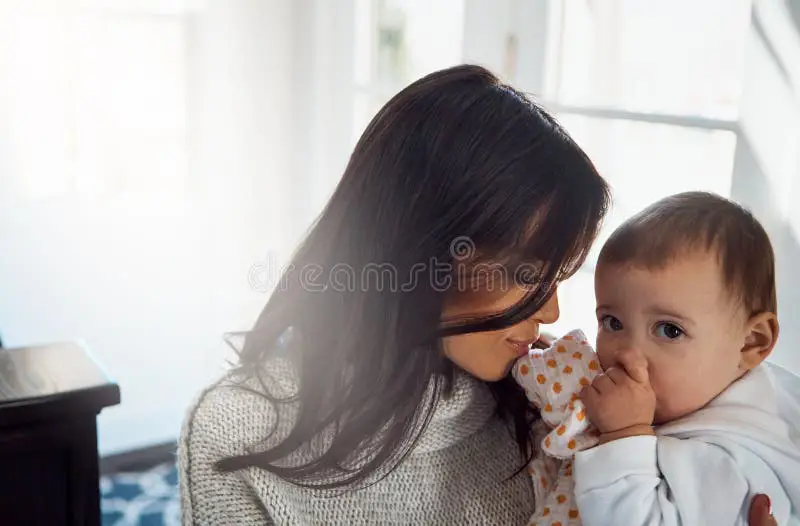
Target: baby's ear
<point>761,334</point>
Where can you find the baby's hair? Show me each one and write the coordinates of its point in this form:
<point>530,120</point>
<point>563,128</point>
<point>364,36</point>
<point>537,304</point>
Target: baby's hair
<point>680,224</point>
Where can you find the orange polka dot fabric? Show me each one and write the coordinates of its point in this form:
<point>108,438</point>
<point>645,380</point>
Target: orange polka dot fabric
<point>552,379</point>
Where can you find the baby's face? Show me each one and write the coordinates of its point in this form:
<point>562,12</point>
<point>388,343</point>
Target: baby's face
<point>683,319</point>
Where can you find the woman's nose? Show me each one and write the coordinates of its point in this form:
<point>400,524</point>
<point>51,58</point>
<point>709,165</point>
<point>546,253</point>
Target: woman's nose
<point>550,312</point>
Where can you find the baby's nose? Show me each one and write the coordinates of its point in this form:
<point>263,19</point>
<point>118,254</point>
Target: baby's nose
<point>626,355</point>
<point>610,353</point>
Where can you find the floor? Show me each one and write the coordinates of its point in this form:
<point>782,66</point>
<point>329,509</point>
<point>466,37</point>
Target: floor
<point>147,498</point>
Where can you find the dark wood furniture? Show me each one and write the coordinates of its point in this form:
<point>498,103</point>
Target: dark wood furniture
<point>50,396</point>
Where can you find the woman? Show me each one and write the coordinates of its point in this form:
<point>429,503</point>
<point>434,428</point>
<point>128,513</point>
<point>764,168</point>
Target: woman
<point>374,387</point>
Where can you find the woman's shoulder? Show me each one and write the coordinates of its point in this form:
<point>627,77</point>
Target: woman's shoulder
<point>230,417</point>
<point>241,410</point>
<point>227,409</point>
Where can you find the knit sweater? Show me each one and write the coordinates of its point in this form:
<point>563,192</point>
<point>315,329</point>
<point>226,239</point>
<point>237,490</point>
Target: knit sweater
<point>460,471</point>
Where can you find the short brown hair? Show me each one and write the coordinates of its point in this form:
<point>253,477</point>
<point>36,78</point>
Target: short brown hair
<point>681,223</point>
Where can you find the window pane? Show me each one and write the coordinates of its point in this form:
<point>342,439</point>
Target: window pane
<point>407,39</point>
<point>644,162</point>
<point>683,56</point>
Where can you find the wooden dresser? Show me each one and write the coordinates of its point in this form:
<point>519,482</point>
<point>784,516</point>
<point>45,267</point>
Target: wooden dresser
<point>50,396</point>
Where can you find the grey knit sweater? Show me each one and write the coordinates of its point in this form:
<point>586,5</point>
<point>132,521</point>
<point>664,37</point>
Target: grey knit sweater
<point>457,474</point>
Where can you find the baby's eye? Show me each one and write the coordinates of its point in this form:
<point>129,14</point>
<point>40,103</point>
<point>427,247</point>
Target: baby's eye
<point>610,323</point>
<point>669,331</point>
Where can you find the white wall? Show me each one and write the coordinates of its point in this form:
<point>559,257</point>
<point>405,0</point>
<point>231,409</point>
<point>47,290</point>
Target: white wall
<point>767,166</point>
<point>153,286</point>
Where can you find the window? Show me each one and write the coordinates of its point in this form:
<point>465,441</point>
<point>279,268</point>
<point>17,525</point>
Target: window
<point>644,162</point>
<point>397,42</point>
<point>651,90</point>
<point>649,56</point>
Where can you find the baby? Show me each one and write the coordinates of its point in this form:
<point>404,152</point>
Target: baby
<point>683,422</point>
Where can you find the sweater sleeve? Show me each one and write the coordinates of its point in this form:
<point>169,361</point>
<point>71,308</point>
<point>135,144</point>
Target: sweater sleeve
<point>208,497</point>
<point>621,482</point>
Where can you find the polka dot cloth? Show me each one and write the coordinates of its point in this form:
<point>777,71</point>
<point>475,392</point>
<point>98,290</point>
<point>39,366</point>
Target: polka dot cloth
<point>552,379</point>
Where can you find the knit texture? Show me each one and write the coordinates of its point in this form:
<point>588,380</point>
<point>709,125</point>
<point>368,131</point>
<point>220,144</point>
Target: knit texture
<point>461,471</point>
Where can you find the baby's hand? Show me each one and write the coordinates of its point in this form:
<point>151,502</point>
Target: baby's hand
<point>620,402</point>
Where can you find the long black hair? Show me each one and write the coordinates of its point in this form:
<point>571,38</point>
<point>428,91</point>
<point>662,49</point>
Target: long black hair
<point>456,157</point>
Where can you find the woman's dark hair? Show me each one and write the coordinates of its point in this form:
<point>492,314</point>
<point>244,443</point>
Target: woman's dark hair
<point>456,157</point>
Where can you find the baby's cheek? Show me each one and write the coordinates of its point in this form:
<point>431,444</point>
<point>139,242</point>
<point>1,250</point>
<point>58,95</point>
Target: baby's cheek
<point>677,393</point>
<point>666,381</point>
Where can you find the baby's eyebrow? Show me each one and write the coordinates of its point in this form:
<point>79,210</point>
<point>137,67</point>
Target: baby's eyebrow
<point>669,313</point>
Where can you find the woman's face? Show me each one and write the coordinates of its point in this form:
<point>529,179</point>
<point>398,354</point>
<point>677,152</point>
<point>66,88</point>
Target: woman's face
<point>490,355</point>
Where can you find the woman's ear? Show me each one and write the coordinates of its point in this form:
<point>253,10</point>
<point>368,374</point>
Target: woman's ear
<point>761,334</point>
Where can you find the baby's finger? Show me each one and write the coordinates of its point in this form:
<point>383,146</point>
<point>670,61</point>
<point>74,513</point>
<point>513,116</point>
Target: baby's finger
<point>602,383</point>
<point>587,396</point>
<point>635,365</point>
<point>617,375</point>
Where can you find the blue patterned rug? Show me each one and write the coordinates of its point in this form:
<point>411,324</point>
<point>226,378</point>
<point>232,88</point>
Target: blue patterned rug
<point>147,498</point>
